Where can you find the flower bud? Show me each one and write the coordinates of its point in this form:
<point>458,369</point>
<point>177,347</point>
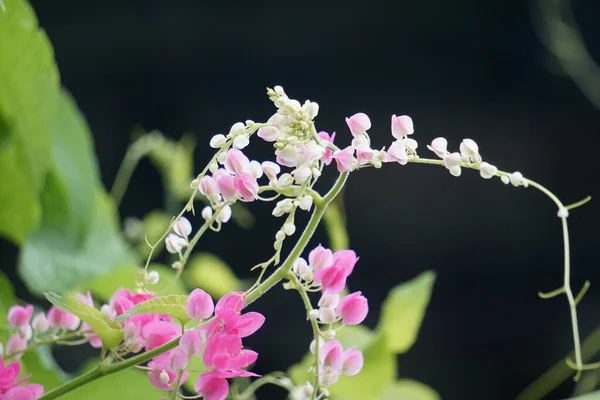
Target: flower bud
<point>15,345</point>
<point>182,227</point>
<point>330,334</point>
<point>194,184</point>
<point>505,179</point>
<point>241,142</point>
<point>174,243</point>
<point>487,171</point>
<point>285,180</point>
<point>255,169</point>
<point>516,179</point>
<point>358,124</point>
<point>218,141</point>
<point>207,213</point>
<point>19,316</point>
<point>313,314</point>
<point>329,300</point>
<point>353,361</point>
<point>563,212</point>
<point>353,308</point>
<point>40,323</point>
<point>152,278</point>
<point>402,126</point>
<point>178,360</point>
<point>305,202</point>
<point>199,305</point>
<point>237,129</point>
<point>327,315</point>
<point>164,376</point>
<point>455,170</point>
<point>191,343</point>
<point>271,169</point>
<point>224,215</point>
<point>302,174</point>
<point>289,228</point>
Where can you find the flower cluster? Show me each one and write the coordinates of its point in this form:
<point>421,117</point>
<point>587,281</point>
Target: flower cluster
<point>13,389</point>
<point>328,271</point>
<point>218,342</point>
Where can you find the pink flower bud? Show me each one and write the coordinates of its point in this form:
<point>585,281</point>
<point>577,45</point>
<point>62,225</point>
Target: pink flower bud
<point>271,169</point>
<point>27,392</point>
<point>178,360</point>
<point>86,299</point>
<point>16,345</point>
<point>327,156</point>
<point>19,316</point>
<point>62,319</point>
<point>358,123</point>
<point>208,186</point>
<point>439,146</point>
<point>353,308</point>
<point>191,343</point>
<point>320,257</point>
<point>327,315</point>
<point>353,361</point>
<point>397,153</point>
<point>402,126</point>
<point>226,184</point>
<point>364,154</point>
<point>199,305</point>
<point>236,162</point>
<point>211,386</point>
<point>344,159</point>
<point>40,323</point>
<point>246,186</point>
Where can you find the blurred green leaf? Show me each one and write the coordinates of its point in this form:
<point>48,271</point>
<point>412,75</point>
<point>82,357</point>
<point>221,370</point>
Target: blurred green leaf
<point>7,299</point>
<point>175,161</point>
<point>195,367</point>
<point>173,305</point>
<point>29,86</point>
<point>209,272</point>
<point>407,389</point>
<point>589,396</point>
<point>78,238</point>
<point>403,310</point>
<point>129,384</point>
<point>109,331</point>
<point>125,277</point>
<point>154,225</point>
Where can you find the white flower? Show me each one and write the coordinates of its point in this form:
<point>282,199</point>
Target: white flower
<point>285,180</point>
<point>174,243</point>
<point>241,141</point>
<point>207,213</point>
<point>289,228</point>
<point>329,300</point>
<point>469,149</point>
<point>439,146</point>
<point>152,278</point>
<point>40,323</point>
<point>302,174</point>
<point>305,202</point>
<point>451,160</point>
<point>455,170</point>
<point>237,129</point>
<point>487,171</point>
<point>182,227</point>
<point>505,179</point>
<point>224,215</point>
<point>516,179</point>
<point>327,315</point>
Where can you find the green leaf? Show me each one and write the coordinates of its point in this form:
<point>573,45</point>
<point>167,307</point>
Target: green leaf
<point>127,384</point>
<point>78,238</point>
<point>403,310</point>
<point>210,273</point>
<point>173,305</point>
<point>174,160</point>
<point>589,396</point>
<point>7,299</point>
<point>29,86</point>
<point>378,371</point>
<point>125,277</point>
<point>109,331</point>
<point>407,389</point>
<point>196,367</point>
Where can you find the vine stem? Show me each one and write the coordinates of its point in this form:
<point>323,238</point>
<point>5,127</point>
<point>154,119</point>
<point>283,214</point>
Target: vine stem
<point>279,274</point>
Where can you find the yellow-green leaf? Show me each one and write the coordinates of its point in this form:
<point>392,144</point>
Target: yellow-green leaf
<point>407,389</point>
<point>173,305</point>
<point>110,332</point>
<point>210,273</point>
<point>403,310</point>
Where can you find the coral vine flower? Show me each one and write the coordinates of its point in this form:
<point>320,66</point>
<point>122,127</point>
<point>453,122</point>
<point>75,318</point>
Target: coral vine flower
<point>358,124</point>
<point>353,308</point>
<point>344,159</point>
<point>19,316</point>
<point>328,154</point>
<point>333,278</point>
<point>9,386</point>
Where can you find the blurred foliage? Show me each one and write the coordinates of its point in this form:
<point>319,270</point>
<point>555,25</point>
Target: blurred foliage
<point>212,274</point>
<point>396,332</point>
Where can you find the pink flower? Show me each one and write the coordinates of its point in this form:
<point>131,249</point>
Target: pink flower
<point>236,162</point>
<point>353,361</point>
<point>364,154</point>
<point>331,355</point>
<point>211,386</point>
<point>226,184</point>
<point>16,345</point>
<point>191,343</point>
<point>8,374</point>
<point>178,360</point>
<point>19,316</point>
<point>439,146</point>
<point>157,333</point>
<point>199,305</point>
<point>358,123</point>
<point>157,366</point>
<point>224,352</point>
<point>397,153</point>
<point>86,299</point>
<point>246,186</point>
<point>27,392</point>
<point>327,156</point>
<point>271,169</point>
<point>333,278</point>
<point>320,257</point>
<point>353,308</point>
<point>234,301</point>
<point>344,159</point>
<point>402,126</point>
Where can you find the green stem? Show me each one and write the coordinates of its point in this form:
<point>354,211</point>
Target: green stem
<point>277,276</point>
<point>335,225</point>
<point>176,384</point>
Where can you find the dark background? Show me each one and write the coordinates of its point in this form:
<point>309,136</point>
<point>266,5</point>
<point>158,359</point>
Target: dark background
<point>460,69</point>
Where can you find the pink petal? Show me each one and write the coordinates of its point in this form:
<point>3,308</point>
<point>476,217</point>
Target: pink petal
<point>249,323</point>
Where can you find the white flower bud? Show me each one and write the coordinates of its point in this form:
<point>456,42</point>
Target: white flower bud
<point>505,179</point>
<point>207,213</point>
<point>280,235</point>
<point>277,245</point>
<point>289,228</point>
<point>279,90</point>
<point>329,300</point>
<point>312,110</point>
<point>182,227</point>
<point>213,167</point>
<point>237,129</point>
<point>329,334</point>
<point>455,170</point>
<point>285,180</point>
<point>271,169</point>
<point>468,148</point>
<point>516,179</point>
<point>327,315</point>
<point>224,215</point>
<point>164,376</point>
<point>218,141</point>
<point>25,332</point>
<point>563,212</point>
<point>176,265</point>
<point>194,184</point>
<point>174,243</point>
<point>305,202</point>
<point>302,174</point>
<point>241,142</point>
<point>40,323</point>
<point>487,171</point>
<point>152,278</point>
<point>316,172</point>
<point>256,170</point>
<point>313,344</point>
<point>222,158</point>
